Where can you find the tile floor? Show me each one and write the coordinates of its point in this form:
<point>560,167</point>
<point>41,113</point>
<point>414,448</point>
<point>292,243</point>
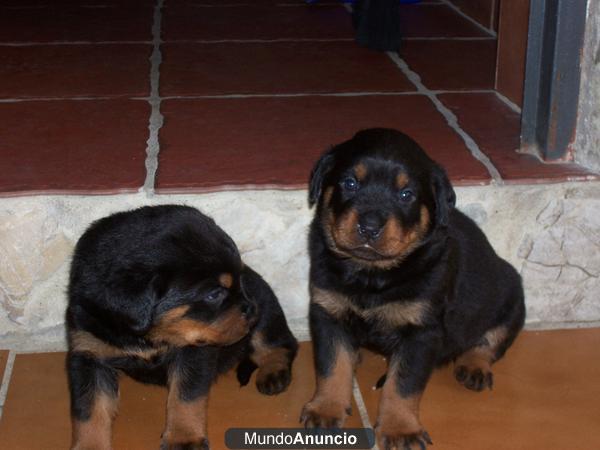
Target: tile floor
<point>252,93</point>
<point>545,397</point>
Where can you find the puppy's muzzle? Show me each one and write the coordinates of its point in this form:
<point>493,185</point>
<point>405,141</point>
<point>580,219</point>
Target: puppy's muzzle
<point>370,226</point>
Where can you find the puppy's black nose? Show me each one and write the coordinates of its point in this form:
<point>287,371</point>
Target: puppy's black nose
<point>370,226</point>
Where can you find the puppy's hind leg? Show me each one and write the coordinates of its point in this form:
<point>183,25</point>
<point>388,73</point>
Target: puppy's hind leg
<point>272,345</point>
<point>473,369</point>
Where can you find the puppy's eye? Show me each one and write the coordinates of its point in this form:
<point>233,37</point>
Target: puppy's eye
<point>407,195</point>
<point>350,184</point>
<point>216,295</point>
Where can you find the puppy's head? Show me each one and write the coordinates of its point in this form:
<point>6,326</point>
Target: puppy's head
<point>200,293</point>
<point>379,196</point>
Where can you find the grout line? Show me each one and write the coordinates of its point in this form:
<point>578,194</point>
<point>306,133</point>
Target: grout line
<point>362,409</point>
<point>460,91</point>
<point>10,361</point>
<point>450,38</point>
<point>54,99</point>
<point>68,43</point>
<point>508,102</point>
<point>155,122</point>
<point>360,403</point>
<point>300,94</point>
<point>232,41</point>
<point>469,18</point>
<point>225,96</point>
<point>255,41</point>
<point>451,118</point>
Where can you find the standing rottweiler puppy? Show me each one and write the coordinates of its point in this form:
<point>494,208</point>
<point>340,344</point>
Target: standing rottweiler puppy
<point>161,294</point>
<point>397,269</point>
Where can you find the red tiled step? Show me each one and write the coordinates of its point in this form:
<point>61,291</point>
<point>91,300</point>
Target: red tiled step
<point>73,22</point>
<point>210,143</point>
<point>182,20</point>
<point>435,20</point>
<point>276,68</point>
<point>496,128</point>
<point>461,65</point>
<point>73,146</point>
<point>74,71</point>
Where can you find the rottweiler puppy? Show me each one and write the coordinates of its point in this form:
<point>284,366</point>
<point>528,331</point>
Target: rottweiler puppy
<point>396,268</point>
<point>162,295</point>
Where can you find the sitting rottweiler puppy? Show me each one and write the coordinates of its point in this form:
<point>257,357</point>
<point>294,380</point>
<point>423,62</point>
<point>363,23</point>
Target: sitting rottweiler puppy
<point>162,295</point>
<point>397,269</point>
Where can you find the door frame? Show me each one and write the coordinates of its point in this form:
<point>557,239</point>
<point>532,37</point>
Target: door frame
<point>552,77</point>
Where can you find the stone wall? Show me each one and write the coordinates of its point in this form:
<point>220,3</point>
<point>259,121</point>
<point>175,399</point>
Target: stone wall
<point>587,143</point>
<point>550,233</point>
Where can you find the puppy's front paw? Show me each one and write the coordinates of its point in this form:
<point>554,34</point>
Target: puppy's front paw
<point>199,445</point>
<point>398,441</point>
<point>397,430</point>
<point>324,414</point>
<point>272,382</point>
<point>474,378</point>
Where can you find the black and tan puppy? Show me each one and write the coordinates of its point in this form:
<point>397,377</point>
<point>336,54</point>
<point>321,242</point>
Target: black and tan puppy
<point>396,268</point>
<point>161,294</point>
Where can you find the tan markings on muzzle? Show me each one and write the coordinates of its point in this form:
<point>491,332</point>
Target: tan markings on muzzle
<point>327,195</point>
<point>344,231</point>
<point>85,342</point>
<point>175,329</point>
<point>396,242</point>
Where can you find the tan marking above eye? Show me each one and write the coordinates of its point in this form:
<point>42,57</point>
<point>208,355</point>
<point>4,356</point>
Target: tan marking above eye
<point>402,180</point>
<point>360,170</point>
<point>226,280</point>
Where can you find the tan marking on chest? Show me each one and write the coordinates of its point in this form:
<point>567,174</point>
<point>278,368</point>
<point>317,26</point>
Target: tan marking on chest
<point>394,314</point>
<point>85,342</point>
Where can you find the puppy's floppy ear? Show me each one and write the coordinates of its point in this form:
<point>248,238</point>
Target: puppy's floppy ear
<point>445,197</point>
<point>134,304</point>
<point>318,174</point>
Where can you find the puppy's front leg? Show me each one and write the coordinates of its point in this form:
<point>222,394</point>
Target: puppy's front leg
<point>410,366</point>
<point>191,374</point>
<point>94,390</point>
<point>335,357</point>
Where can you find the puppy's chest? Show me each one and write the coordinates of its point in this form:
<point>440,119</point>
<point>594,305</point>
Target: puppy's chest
<point>385,315</point>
